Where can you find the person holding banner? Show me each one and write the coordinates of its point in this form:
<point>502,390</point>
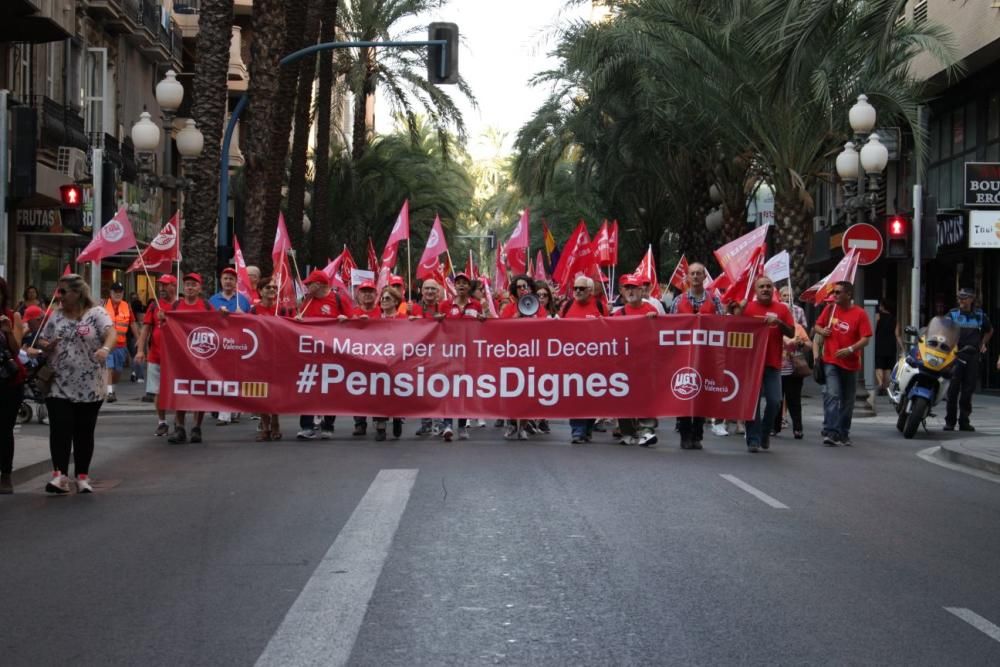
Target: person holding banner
<point>366,309</point>
<point>388,303</point>
<point>780,322</point>
<point>636,431</point>
<point>227,299</point>
<point>584,305</point>
<point>77,339</point>
<point>696,299</point>
<point>427,308</point>
<point>191,301</point>
<point>147,348</point>
<point>463,305</point>
<point>322,301</point>
<point>266,306</point>
<point>846,330</point>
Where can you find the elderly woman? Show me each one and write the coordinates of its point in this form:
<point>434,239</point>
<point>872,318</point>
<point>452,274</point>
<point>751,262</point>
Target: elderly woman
<point>77,339</point>
<point>388,303</point>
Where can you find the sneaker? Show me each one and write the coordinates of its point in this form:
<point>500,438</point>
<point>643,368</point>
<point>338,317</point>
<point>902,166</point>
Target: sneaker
<point>510,433</point>
<point>326,434</point>
<point>628,440</point>
<point>360,429</point>
<point>463,433</point>
<point>236,418</point>
<point>966,427</point>
<point>649,439</point>
<point>447,434</point>
<point>162,429</point>
<point>498,423</point>
<point>148,398</point>
<point>543,426</point>
<point>435,431</point>
<point>522,434</point>
<point>696,444</point>
<point>423,432</point>
<point>397,428</point>
<point>59,484</point>
<point>380,434</point>
<point>307,434</point>
<point>765,445</point>
<point>111,398</point>
<point>578,440</point>
<point>132,377</point>
<point>481,423</point>
<point>179,437</point>
<point>223,422</point>
<point>830,441</point>
<point>196,434</point>
<point>845,441</point>
<point>949,427</point>
<point>685,443</point>
<point>720,430</point>
<point>753,449</point>
<point>83,484</point>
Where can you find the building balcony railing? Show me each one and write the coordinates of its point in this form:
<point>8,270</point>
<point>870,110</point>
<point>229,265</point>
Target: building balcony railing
<point>58,125</point>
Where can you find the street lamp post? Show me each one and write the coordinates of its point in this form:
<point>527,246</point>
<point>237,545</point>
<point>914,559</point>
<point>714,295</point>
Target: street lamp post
<point>860,173</point>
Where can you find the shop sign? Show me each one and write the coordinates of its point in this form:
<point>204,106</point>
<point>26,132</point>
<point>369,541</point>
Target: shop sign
<point>984,229</point>
<point>950,229</point>
<point>982,184</point>
<point>39,220</point>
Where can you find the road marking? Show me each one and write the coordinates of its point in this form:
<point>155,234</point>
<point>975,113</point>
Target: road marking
<point>930,455</point>
<point>322,625</point>
<point>976,621</point>
<point>755,492</point>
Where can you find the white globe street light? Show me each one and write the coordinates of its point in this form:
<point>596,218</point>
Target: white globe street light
<point>862,116</point>
<point>847,162</point>
<point>874,155</point>
<point>190,141</point>
<point>145,134</point>
<point>713,221</point>
<point>169,93</point>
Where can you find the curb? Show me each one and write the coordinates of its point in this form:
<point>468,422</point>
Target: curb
<point>956,453</point>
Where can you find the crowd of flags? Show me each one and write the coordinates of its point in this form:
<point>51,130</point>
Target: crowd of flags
<point>741,261</point>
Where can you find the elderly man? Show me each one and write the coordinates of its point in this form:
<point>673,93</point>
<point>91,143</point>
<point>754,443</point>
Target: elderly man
<point>191,301</point>
<point>636,431</point>
<point>253,272</point>
<point>148,347</point>
<point>583,305</point>
<point>124,320</point>
<point>322,301</point>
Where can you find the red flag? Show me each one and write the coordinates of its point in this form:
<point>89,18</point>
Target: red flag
<point>161,253</point>
<point>742,289</point>
<point>577,240</point>
<point>600,247</point>
<point>282,243</point>
<point>734,257</point>
<point>436,245</point>
<point>67,270</point>
<point>613,242</point>
<point>646,271</point>
<point>845,270</point>
<point>517,245</point>
<point>500,280</point>
<point>491,304</point>
<point>285,280</point>
<point>679,278</point>
<point>115,236</point>
<point>243,284</point>
<point>400,231</point>
<point>373,262</point>
<point>539,274</point>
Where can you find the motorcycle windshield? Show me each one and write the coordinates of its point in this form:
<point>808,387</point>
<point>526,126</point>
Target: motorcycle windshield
<point>942,334</point>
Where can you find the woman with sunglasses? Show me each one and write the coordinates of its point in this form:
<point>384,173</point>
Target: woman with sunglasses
<point>77,339</point>
<point>267,295</point>
<point>388,304</point>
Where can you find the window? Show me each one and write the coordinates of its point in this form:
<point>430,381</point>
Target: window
<point>970,126</point>
<point>993,118</point>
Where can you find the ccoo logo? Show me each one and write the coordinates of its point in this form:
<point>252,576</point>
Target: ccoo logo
<point>203,342</point>
<point>686,383</point>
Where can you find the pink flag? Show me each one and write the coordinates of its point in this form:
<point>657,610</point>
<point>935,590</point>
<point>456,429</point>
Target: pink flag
<point>470,267</point>
<point>601,246</point>
<point>115,236</point>
<point>742,289</point>
<point>539,274</point>
<point>500,279</point>
<point>613,242</point>
<point>844,270</point>
<point>161,253</point>
<point>243,284</point>
<point>282,243</point>
<point>734,257</point>
<point>400,231</point>
<point>517,245</point>
<point>373,262</point>
<point>67,270</point>
<point>436,245</point>
<point>577,240</point>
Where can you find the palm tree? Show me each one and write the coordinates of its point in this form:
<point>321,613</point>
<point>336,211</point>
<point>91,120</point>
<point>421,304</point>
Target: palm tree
<point>320,234</point>
<point>198,240</point>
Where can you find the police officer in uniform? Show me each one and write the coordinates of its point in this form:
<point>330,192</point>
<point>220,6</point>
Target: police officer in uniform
<point>976,332</point>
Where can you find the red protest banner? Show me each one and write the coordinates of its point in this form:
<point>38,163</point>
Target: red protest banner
<point>682,365</point>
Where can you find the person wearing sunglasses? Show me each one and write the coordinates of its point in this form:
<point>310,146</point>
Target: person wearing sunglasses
<point>267,306</point>
<point>583,305</point>
<point>845,330</point>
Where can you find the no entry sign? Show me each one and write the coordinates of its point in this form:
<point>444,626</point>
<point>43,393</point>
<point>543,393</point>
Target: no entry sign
<point>866,239</point>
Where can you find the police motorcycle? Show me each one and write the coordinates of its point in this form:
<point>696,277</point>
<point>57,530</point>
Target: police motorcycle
<point>921,375</point>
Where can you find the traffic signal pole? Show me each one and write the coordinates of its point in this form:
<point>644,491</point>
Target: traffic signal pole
<point>918,211</point>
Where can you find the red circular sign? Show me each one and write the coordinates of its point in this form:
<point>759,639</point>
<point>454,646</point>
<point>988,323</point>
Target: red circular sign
<point>866,239</point>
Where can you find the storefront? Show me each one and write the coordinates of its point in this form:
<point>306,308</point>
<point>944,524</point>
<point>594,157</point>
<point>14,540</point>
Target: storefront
<point>47,240</point>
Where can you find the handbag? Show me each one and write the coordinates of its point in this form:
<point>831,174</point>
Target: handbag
<point>43,379</point>
<point>800,366</point>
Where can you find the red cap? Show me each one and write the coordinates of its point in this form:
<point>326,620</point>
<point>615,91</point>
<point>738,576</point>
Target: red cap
<point>367,285</point>
<point>462,274</point>
<point>629,280</point>
<point>31,312</point>
<point>317,276</point>
<point>228,269</point>
<point>396,280</point>
<point>167,279</point>
<point>193,276</point>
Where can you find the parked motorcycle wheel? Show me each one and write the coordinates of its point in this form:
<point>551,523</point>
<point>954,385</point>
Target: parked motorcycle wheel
<point>901,420</point>
<point>24,413</point>
<point>43,412</point>
<point>918,411</point>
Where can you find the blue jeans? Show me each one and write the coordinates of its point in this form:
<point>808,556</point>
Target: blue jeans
<point>759,430</point>
<point>581,428</point>
<point>838,401</point>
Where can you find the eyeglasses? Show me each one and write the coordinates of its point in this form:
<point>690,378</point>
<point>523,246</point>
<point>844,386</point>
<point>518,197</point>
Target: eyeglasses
<point>387,298</point>
<point>837,291</point>
<point>61,291</point>
<point>580,288</point>
<point>523,286</point>
<point>542,294</point>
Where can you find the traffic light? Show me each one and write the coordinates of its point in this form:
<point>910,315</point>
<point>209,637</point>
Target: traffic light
<point>897,237</point>
<point>442,63</point>
<point>71,195</point>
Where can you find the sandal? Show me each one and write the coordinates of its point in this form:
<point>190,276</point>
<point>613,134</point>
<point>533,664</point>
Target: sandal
<point>275,435</point>
<point>263,436</point>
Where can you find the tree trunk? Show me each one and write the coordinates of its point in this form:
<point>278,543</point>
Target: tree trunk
<point>198,240</point>
<point>794,231</point>
<point>300,138</point>
<point>321,228</point>
<point>295,25</point>
<point>362,128</point>
<point>265,52</point>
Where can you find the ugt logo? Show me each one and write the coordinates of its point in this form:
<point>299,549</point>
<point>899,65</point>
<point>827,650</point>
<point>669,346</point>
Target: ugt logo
<point>686,383</point>
<point>203,342</point>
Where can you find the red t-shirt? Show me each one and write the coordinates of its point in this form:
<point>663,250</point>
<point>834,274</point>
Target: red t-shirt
<point>373,314</point>
<point>641,309</point>
<point>151,320</point>
<point>452,310</point>
<point>587,309</point>
<point>774,340</point>
<point>324,306</point>
<point>429,313</point>
<point>510,312</point>
<point>257,309</point>
<point>848,326</point>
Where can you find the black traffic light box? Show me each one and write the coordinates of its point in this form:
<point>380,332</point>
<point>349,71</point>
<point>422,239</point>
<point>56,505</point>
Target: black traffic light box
<point>442,63</point>
<point>897,237</point>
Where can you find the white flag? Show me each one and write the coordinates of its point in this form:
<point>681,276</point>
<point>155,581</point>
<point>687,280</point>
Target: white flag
<point>777,268</point>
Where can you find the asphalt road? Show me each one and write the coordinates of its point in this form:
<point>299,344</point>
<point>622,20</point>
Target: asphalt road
<point>492,552</point>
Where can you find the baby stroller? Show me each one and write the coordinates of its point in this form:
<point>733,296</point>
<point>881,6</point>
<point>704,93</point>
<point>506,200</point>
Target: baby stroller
<point>33,404</point>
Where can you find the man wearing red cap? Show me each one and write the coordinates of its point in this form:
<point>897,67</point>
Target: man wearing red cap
<point>228,300</point>
<point>321,301</point>
<point>191,301</point>
<point>367,308</point>
<point>149,345</point>
<point>463,305</point>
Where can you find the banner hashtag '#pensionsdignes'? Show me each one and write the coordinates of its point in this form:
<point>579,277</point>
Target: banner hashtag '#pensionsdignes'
<point>307,378</point>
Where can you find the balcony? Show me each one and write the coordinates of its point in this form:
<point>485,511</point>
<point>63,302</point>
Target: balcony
<point>58,126</point>
<point>36,21</point>
<point>185,14</point>
<point>112,149</point>
<point>243,7</point>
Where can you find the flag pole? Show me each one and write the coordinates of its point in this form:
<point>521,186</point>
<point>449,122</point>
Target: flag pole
<point>148,279</point>
<point>277,302</point>
<point>409,276</point>
<point>45,317</point>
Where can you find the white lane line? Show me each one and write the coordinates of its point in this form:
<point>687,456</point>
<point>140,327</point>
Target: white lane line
<point>930,455</point>
<point>976,621</point>
<point>323,623</point>
<point>755,492</point>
